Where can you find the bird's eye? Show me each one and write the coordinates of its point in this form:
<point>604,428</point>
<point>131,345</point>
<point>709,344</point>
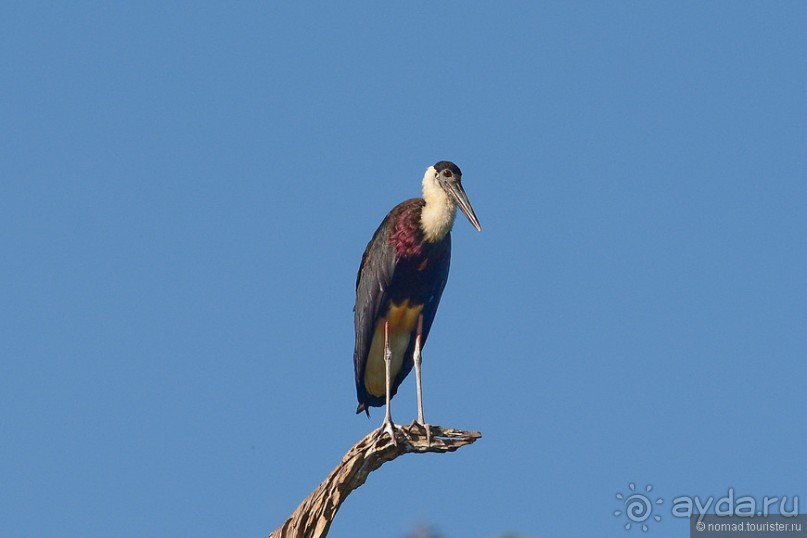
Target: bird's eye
<point>446,173</point>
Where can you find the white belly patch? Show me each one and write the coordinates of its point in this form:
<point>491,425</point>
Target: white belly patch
<point>402,321</point>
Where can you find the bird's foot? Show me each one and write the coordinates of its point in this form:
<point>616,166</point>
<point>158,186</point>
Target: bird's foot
<point>389,428</point>
<point>426,428</point>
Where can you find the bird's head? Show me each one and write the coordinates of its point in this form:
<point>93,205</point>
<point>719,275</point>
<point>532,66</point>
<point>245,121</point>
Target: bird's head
<point>447,176</point>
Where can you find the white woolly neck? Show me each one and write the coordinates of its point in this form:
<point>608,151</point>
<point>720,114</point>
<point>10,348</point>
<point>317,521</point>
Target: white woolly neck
<point>438,214</point>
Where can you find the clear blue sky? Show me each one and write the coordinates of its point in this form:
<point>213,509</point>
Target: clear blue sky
<point>186,190</point>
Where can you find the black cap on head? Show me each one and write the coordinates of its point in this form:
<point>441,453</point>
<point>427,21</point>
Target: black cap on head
<point>448,165</point>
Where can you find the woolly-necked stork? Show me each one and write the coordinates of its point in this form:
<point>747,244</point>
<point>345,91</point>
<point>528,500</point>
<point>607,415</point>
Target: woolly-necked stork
<point>401,278</point>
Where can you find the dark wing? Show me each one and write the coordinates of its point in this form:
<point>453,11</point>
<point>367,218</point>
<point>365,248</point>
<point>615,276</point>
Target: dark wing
<point>375,275</point>
<point>442,261</point>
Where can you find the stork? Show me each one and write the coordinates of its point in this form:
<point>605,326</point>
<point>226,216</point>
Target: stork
<point>401,278</point>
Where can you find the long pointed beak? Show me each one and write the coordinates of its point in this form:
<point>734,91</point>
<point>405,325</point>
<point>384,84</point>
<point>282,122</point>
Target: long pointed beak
<point>462,200</point>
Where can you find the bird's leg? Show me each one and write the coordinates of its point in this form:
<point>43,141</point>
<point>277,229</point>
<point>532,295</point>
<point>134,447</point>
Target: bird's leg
<point>388,426</point>
<point>418,360</point>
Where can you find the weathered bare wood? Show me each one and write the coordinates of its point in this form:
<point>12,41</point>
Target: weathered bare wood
<point>313,517</point>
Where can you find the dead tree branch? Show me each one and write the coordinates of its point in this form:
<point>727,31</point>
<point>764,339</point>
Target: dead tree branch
<point>313,517</point>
